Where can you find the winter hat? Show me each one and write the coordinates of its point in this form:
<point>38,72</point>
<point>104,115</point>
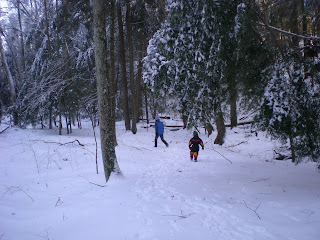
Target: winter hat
<point>195,134</point>
<point>157,118</point>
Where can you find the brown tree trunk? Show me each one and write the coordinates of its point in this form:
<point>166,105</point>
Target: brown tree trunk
<point>139,81</point>
<point>304,21</point>
<point>123,71</point>
<point>113,68</point>
<point>131,70</point>
<point>104,90</point>
<point>60,113</point>
<point>220,128</point>
<point>294,23</point>
<point>293,155</point>
<point>233,108</point>
<point>146,102</point>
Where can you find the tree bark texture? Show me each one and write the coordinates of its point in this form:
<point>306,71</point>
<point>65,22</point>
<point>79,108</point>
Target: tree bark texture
<point>220,128</point>
<point>123,70</point>
<point>146,103</point>
<point>139,82</point>
<point>22,52</point>
<point>131,69</point>
<point>233,107</point>
<point>113,68</point>
<point>294,23</point>
<point>104,89</point>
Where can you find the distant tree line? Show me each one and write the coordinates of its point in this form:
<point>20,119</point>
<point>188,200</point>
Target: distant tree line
<point>48,54</point>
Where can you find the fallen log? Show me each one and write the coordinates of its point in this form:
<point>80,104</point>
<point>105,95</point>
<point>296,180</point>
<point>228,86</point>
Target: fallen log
<point>241,123</point>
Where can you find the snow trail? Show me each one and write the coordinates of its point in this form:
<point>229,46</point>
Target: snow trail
<point>162,195</point>
<point>164,183</point>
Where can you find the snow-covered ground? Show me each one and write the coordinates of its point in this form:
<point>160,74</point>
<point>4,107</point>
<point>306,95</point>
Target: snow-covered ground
<point>49,188</point>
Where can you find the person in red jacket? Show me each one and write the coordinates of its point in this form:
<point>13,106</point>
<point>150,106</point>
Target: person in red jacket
<point>194,146</point>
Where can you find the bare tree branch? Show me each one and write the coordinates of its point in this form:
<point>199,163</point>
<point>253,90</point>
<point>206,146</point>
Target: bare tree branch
<point>4,129</point>
<point>289,33</point>
<point>255,211</point>
<point>62,144</point>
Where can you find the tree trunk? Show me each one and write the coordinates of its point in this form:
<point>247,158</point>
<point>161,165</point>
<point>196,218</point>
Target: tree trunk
<point>220,128</point>
<point>139,81</point>
<point>131,70</point>
<point>304,21</point>
<point>22,59</point>
<point>294,23</point>
<point>293,155</point>
<point>10,82</point>
<point>123,70</point>
<point>146,102</point>
<point>113,69</point>
<point>104,90</point>
<point>49,53</point>
<point>60,112</point>
<point>233,107</point>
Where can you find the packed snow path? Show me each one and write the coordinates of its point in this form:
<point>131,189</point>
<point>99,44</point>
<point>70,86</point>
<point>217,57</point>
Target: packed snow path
<point>235,191</point>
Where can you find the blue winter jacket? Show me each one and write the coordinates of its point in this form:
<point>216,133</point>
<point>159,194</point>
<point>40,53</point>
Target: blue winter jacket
<point>159,127</point>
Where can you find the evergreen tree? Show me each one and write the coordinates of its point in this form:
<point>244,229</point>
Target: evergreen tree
<point>289,109</point>
<point>198,54</point>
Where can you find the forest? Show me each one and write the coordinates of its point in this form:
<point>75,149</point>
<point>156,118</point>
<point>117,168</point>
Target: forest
<point>216,63</point>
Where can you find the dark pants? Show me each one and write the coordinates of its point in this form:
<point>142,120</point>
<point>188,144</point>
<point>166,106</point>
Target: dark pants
<point>156,138</point>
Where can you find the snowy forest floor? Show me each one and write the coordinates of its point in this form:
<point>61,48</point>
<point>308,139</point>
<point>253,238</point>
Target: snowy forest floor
<point>49,188</point>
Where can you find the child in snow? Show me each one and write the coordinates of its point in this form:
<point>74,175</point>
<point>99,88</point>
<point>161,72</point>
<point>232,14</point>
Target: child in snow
<point>194,146</point>
<point>159,132</point>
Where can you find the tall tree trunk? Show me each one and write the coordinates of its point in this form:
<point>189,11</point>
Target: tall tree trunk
<point>131,69</point>
<point>10,81</point>
<point>57,49</point>
<point>146,102</point>
<point>233,107</point>
<point>317,22</point>
<point>60,112</point>
<point>294,23</point>
<point>104,91</point>
<point>304,21</point>
<point>293,155</point>
<point>49,54</point>
<point>139,82</point>
<point>220,128</point>
<point>22,52</point>
<point>113,68</point>
<point>123,70</point>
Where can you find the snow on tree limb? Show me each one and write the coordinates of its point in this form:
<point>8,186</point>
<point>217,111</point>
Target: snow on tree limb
<point>289,33</point>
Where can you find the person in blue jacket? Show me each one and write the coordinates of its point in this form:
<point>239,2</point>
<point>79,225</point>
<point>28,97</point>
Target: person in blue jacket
<point>159,132</point>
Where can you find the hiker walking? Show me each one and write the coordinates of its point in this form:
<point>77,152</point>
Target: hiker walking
<point>159,132</point>
<point>194,146</point>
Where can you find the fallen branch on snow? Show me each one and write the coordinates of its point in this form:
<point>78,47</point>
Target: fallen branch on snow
<point>14,189</point>
<point>62,144</point>
<point>98,184</point>
<point>240,123</point>
<point>4,129</point>
<point>221,155</point>
<point>180,216</point>
<point>255,211</point>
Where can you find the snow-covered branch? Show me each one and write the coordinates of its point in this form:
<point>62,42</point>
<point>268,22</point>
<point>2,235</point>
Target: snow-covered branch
<point>289,33</point>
